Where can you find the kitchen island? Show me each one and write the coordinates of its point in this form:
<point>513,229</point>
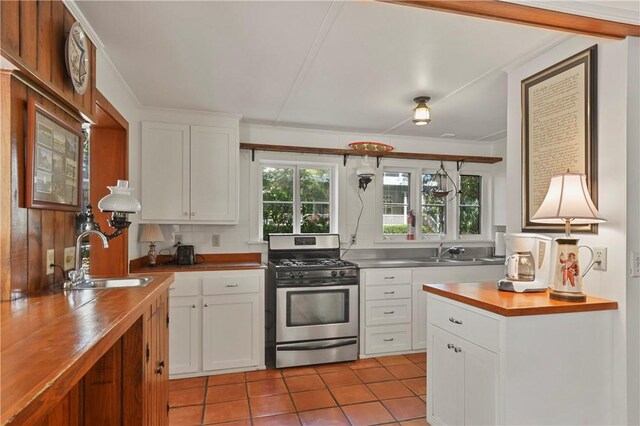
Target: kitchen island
<point>86,356</point>
<point>510,358</point>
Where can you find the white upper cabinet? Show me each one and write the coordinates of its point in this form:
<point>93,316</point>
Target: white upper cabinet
<point>189,173</point>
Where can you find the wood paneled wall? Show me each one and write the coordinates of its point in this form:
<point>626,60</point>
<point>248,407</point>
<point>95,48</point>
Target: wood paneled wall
<point>32,37</point>
<point>27,234</point>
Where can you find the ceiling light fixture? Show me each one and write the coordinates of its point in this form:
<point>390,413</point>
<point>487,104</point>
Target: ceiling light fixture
<point>422,112</point>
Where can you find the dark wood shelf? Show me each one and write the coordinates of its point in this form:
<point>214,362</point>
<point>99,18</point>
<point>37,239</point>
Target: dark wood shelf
<point>351,152</point>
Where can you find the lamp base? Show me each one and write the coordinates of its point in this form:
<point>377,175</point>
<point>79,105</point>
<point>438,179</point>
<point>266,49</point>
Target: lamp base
<point>564,296</point>
<point>153,254</point>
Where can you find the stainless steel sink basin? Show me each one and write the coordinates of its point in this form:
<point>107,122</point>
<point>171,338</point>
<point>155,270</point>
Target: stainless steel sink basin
<point>103,283</point>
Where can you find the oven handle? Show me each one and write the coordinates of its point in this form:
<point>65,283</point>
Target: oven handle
<point>317,347</point>
<point>318,284</point>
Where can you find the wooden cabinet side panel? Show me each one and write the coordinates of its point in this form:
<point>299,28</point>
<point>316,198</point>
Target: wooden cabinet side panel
<point>132,374</point>
<point>103,389</point>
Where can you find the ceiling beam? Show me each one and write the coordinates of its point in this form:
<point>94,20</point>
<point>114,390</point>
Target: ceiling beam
<point>527,15</point>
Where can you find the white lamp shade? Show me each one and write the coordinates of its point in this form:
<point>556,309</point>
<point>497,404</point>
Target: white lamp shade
<point>151,233</point>
<point>421,114</point>
<point>365,169</point>
<point>568,198</point>
<point>120,199</point>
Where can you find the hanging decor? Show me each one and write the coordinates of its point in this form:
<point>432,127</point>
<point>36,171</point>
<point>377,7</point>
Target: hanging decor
<point>438,185</point>
<point>366,172</point>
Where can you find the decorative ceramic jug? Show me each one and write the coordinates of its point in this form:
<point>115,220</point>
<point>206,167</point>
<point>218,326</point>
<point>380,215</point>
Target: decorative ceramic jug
<point>567,282</point>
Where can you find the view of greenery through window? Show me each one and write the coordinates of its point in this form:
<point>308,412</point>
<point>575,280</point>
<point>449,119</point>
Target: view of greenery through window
<point>283,201</point>
<point>469,213</point>
<point>434,209</point>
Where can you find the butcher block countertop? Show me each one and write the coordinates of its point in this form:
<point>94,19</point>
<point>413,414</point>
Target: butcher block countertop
<point>50,341</point>
<point>486,296</point>
<point>205,262</point>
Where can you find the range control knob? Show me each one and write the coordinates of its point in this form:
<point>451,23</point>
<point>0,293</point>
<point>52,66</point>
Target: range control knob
<point>292,274</point>
<point>342,273</point>
<point>334,273</point>
<point>300,274</point>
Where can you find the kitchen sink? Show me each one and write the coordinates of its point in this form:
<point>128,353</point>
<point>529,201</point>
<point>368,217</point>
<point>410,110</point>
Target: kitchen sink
<point>104,283</point>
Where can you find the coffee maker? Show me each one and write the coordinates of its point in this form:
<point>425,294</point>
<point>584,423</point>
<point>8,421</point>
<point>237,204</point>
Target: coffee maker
<point>528,263</point>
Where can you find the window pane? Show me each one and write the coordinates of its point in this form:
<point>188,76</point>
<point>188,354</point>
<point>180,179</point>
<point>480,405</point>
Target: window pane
<point>315,218</point>
<point>277,184</point>
<point>315,185</point>
<point>470,190</point>
<point>430,182</point>
<point>434,219</point>
<point>396,199</point>
<point>276,218</point>
<point>469,220</point>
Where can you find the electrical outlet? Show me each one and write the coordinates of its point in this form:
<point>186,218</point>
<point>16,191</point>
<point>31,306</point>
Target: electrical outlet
<point>69,258</point>
<point>600,258</point>
<point>50,261</point>
<point>635,264</point>
<point>353,238</point>
<point>178,238</point>
<point>215,240</point>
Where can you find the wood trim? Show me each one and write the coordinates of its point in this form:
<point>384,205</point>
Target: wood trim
<point>351,152</point>
<point>509,304</point>
<point>111,111</point>
<point>5,185</point>
<point>527,15</point>
<point>206,262</point>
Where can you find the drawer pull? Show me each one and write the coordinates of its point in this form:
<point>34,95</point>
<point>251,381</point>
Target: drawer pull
<point>193,306</point>
<point>172,288</point>
<point>388,340</point>
<point>231,285</point>
<point>389,278</point>
<point>206,305</point>
<point>389,292</point>
<point>389,312</point>
<point>451,346</point>
<point>455,321</point>
<point>457,349</point>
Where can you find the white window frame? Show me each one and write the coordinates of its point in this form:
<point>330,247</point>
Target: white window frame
<point>452,206</point>
<point>296,166</point>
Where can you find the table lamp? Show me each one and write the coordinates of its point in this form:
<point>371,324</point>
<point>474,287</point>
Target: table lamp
<point>151,233</point>
<point>567,201</point>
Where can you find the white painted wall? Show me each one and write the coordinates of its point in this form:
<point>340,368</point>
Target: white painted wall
<point>612,182</point>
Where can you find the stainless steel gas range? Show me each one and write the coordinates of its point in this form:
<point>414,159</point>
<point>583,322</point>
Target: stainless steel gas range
<point>311,301</point>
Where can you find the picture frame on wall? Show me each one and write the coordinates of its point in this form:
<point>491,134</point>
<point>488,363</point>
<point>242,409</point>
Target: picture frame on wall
<point>53,161</point>
<point>559,132</point>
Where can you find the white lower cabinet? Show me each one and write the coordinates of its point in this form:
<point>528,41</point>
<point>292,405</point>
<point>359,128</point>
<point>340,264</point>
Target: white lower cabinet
<point>488,369</point>
<point>216,322</point>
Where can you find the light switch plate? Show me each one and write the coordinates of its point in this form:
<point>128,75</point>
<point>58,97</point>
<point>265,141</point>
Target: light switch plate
<point>215,240</point>
<point>50,261</point>
<point>69,258</point>
<point>635,264</point>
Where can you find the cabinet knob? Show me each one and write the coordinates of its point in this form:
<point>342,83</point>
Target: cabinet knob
<point>193,306</point>
<point>451,346</point>
<point>455,321</point>
<point>206,305</point>
<point>457,349</point>
<point>185,213</point>
<point>389,340</point>
<point>160,367</point>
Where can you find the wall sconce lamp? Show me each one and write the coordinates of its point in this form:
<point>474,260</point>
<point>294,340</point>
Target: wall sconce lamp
<point>422,112</point>
<point>568,201</point>
<point>366,172</point>
<point>120,203</point>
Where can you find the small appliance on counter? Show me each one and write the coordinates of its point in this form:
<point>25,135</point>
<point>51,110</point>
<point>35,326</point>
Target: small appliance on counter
<point>528,263</point>
<point>185,255</point>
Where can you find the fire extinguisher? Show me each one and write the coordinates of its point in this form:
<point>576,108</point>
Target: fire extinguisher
<point>411,225</point>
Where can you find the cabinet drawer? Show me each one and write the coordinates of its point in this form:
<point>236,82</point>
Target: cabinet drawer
<point>473,326</point>
<point>383,292</point>
<point>388,276</point>
<point>231,284</point>
<point>383,312</point>
<point>185,287</point>
<point>388,339</point>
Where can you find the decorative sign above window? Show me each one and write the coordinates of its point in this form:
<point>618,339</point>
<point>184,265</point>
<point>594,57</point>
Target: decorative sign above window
<point>77,58</point>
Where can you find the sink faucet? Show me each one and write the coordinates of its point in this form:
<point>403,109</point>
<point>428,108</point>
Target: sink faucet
<point>78,274</point>
<point>452,250</point>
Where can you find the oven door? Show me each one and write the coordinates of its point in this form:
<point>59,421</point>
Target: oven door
<point>322,312</point>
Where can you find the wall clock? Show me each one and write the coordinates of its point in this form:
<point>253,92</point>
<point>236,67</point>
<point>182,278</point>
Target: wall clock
<point>77,58</point>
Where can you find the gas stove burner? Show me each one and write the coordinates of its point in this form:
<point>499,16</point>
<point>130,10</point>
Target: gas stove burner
<point>292,262</point>
<point>331,262</point>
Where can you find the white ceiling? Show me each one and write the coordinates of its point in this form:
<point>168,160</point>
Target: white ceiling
<point>352,66</point>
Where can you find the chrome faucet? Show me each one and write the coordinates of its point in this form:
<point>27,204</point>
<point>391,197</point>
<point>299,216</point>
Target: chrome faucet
<point>452,250</point>
<point>78,274</point>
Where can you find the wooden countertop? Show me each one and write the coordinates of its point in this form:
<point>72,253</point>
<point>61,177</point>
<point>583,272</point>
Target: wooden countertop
<point>207,262</point>
<point>50,341</point>
<point>486,296</point>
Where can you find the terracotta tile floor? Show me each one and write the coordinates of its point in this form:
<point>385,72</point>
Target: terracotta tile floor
<point>384,390</point>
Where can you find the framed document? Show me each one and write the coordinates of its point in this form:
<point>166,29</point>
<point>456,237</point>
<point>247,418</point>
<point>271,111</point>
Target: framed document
<point>53,168</point>
<point>558,132</point>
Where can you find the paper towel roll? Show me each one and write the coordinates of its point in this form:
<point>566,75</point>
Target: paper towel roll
<point>500,248</point>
